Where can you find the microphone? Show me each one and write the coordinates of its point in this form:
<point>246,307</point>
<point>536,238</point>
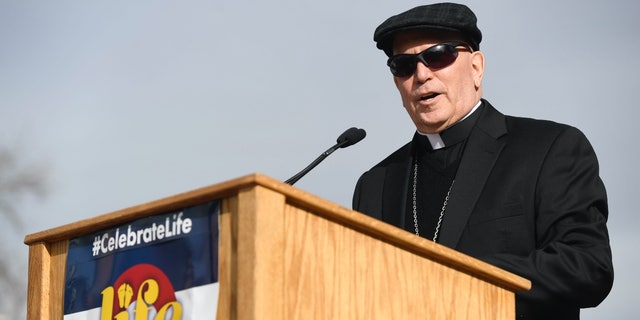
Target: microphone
<point>350,137</point>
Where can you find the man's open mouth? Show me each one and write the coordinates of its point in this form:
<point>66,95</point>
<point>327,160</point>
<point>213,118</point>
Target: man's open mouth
<point>430,96</point>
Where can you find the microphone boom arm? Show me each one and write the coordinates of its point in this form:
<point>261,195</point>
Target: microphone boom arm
<point>349,137</point>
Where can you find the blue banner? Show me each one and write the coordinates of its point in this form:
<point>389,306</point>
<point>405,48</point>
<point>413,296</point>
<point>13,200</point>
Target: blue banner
<point>143,269</point>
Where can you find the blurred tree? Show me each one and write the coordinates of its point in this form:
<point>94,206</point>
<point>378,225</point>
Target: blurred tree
<point>18,179</point>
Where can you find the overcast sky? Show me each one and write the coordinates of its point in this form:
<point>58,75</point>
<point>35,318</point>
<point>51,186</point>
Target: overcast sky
<point>127,102</point>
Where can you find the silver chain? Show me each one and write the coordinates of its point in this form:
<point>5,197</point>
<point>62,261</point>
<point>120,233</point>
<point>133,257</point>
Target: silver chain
<point>415,205</point>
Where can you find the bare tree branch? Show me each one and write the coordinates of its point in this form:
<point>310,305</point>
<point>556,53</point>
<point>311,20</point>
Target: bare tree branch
<point>18,180</point>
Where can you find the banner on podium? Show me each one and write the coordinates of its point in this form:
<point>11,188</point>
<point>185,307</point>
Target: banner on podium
<point>161,267</point>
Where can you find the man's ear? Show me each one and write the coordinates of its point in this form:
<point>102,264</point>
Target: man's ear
<point>477,64</point>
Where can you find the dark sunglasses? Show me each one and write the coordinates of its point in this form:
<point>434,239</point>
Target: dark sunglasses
<point>435,57</point>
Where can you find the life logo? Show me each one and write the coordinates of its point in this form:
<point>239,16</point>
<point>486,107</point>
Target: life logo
<point>142,292</point>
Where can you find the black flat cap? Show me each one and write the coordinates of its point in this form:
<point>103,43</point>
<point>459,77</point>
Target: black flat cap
<point>442,16</point>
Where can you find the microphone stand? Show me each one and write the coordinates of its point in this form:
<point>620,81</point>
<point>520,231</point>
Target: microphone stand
<point>315,162</point>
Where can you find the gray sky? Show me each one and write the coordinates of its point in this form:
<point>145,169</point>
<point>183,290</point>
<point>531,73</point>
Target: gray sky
<point>131,101</point>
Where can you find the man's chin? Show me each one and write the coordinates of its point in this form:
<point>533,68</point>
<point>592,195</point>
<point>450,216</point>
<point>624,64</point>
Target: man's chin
<point>431,126</point>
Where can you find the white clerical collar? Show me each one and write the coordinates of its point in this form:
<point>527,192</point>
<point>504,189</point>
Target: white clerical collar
<point>436,140</point>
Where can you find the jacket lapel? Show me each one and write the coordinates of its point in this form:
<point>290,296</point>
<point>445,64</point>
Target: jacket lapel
<point>481,152</point>
<point>395,192</point>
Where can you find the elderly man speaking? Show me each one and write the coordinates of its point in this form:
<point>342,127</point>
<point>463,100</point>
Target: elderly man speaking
<point>522,194</point>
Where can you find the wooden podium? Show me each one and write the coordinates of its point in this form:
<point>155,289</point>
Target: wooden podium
<point>286,254</point>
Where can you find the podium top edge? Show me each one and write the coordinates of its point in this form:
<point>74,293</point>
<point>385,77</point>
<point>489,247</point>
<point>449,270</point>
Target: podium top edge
<point>216,191</point>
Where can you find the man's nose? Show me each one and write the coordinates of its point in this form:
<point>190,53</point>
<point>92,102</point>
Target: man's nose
<point>422,73</point>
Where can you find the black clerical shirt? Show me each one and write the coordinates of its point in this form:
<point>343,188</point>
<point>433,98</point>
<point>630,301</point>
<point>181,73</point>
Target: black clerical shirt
<point>436,174</point>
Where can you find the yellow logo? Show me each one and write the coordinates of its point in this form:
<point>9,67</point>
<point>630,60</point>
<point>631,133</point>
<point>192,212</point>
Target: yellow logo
<point>142,292</point>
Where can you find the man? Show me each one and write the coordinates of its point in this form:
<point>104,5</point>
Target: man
<point>522,194</point>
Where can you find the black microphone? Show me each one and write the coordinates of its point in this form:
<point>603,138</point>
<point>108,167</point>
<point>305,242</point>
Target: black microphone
<point>350,137</point>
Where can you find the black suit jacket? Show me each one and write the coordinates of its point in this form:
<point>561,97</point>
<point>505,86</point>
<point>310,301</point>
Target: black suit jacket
<point>527,198</point>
